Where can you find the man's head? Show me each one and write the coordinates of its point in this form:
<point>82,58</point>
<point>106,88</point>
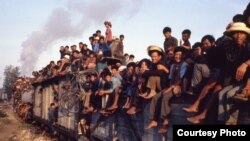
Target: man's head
<point>207,41</point>
<point>144,64</point>
<point>239,38</point>
<point>91,54</point>
<point>155,56</point>
<point>156,53</point>
<point>238,18</point>
<point>91,38</point>
<point>239,32</point>
<point>94,35</point>
<point>114,70</point>
<point>101,40</point>
<point>93,77</point>
<point>62,48</point>
<point>167,32</point>
<point>178,54</point>
<point>96,40</point>
<point>197,51</point>
<point>52,64</point>
<point>73,47</point>
<point>131,67</point>
<point>66,58</point>
<point>98,32</point>
<point>80,45</point>
<point>186,34</point>
<point>170,54</point>
<point>131,57</point>
<point>126,56</point>
<point>85,46</point>
<point>107,24</point>
<point>121,37</point>
<point>76,54</point>
<point>59,63</point>
<point>52,105</point>
<point>106,75</point>
<point>66,48</point>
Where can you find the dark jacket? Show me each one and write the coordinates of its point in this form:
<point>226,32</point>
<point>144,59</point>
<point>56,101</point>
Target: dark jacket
<point>233,57</point>
<point>51,115</point>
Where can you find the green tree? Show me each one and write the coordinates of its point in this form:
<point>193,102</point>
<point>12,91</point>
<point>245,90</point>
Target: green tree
<point>11,74</point>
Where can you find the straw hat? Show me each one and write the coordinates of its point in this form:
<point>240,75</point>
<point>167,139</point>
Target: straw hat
<point>67,56</point>
<point>100,52</point>
<point>238,26</point>
<point>122,68</point>
<point>154,48</point>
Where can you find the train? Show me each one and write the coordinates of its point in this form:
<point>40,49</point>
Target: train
<point>62,90</point>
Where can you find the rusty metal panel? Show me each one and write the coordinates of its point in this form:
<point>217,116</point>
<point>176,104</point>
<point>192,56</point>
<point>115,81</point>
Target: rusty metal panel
<point>38,101</point>
<point>66,119</point>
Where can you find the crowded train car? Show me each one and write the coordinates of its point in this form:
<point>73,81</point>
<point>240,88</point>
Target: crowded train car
<point>101,93</point>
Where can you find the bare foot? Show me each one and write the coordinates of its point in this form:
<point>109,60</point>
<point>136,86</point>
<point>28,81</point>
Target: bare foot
<point>151,94</point>
<point>163,130</point>
<point>132,110</point>
<point>230,123</point>
<point>152,124</point>
<point>113,107</point>
<point>164,127</point>
<point>143,95</point>
<point>104,113</point>
<point>195,120</point>
<point>177,91</point>
<point>126,106</point>
<point>165,122</point>
<point>191,109</point>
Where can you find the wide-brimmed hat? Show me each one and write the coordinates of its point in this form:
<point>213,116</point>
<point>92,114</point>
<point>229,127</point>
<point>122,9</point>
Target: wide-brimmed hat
<point>152,48</point>
<point>66,56</point>
<point>238,26</point>
<point>100,52</point>
<point>122,68</point>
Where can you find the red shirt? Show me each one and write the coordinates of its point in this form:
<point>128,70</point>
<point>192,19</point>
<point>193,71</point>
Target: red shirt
<point>108,34</point>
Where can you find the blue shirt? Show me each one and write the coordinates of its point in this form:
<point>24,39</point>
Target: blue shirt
<point>117,81</point>
<point>183,68</point>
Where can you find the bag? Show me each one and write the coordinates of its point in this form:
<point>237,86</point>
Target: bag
<point>102,131</point>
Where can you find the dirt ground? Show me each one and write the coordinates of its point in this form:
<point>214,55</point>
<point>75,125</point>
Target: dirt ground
<point>13,129</point>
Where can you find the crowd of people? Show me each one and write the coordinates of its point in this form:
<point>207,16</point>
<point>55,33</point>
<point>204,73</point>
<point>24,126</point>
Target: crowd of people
<point>23,106</point>
<point>220,68</point>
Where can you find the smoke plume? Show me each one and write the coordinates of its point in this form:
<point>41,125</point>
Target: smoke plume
<point>60,25</point>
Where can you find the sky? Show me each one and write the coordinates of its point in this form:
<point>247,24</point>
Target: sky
<point>32,32</point>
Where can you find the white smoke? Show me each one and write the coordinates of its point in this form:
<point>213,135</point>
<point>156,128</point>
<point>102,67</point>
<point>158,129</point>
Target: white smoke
<point>61,26</point>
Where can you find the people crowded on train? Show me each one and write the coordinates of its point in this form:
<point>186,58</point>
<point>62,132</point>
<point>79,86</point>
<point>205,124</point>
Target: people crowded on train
<point>207,70</point>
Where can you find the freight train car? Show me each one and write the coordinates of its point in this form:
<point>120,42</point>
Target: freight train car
<point>64,91</point>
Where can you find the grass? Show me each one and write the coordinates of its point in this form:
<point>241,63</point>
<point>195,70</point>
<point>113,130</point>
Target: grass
<point>5,121</point>
<point>24,126</point>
